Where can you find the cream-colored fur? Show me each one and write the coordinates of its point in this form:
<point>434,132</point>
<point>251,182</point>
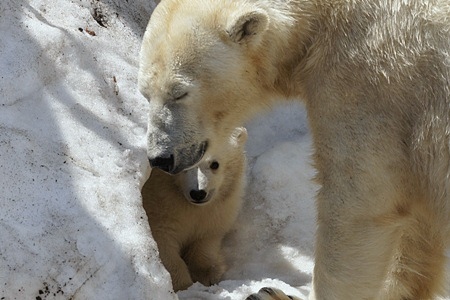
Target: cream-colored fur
<point>189,233</point>
<point>375,78</point>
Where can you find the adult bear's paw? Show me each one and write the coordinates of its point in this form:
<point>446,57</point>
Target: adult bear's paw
<point>267,293</point>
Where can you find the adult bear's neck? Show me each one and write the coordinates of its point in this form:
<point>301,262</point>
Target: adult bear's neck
<point>311,19</point>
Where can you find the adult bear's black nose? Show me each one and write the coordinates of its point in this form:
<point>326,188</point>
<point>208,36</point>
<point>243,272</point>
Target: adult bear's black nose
<point>164,163</point>
<point>197,195</point>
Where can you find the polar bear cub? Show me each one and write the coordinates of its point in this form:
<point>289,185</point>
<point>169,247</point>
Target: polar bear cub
<point>189,213</point>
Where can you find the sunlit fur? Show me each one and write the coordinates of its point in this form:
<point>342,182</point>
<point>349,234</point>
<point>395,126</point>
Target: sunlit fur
<point>374,75</point>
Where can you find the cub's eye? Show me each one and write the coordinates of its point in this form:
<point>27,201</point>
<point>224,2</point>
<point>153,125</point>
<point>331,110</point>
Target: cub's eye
<point>214,165</point>
<point>181,96</point>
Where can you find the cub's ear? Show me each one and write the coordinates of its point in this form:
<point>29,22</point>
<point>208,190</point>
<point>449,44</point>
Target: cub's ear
<point>247,27</point>
<point>239,135</point>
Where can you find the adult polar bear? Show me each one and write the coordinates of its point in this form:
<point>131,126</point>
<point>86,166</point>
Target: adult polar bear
<point>374,75</point>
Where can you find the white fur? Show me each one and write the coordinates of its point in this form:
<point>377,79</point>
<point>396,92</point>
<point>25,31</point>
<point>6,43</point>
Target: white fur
<point>375,78</point>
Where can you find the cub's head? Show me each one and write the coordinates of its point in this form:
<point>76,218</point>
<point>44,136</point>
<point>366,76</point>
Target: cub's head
<point>215,174</point>
<point>203,69</point>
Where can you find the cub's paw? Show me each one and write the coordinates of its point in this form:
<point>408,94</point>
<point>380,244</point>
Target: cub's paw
<point>267,293</point>
<point>209,276</point>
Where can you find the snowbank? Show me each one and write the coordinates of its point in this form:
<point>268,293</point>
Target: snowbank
<point>72,158</point>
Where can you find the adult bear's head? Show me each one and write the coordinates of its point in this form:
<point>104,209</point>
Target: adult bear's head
<point>205,67</point>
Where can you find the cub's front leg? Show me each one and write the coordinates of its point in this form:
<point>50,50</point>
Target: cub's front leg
<point>205,261</point>
<point>169,252</point>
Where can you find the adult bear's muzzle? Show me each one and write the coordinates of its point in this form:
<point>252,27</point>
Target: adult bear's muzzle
<point>180,159</point>
<point>166,164</point>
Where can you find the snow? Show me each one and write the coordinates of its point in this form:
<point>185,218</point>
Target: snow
<point>72,154</point>
<point>73,160</point>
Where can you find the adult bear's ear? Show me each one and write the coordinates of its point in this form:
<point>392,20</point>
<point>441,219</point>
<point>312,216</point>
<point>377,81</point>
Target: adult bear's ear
<point>248,26</point>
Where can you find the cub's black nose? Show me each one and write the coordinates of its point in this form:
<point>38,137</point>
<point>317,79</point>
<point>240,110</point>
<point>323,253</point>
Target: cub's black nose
<point>164,163</point>
<point>197,195</point>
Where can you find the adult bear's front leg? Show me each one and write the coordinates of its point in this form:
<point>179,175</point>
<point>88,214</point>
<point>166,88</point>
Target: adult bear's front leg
<point>353,252</point>
<point>367,189</point>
